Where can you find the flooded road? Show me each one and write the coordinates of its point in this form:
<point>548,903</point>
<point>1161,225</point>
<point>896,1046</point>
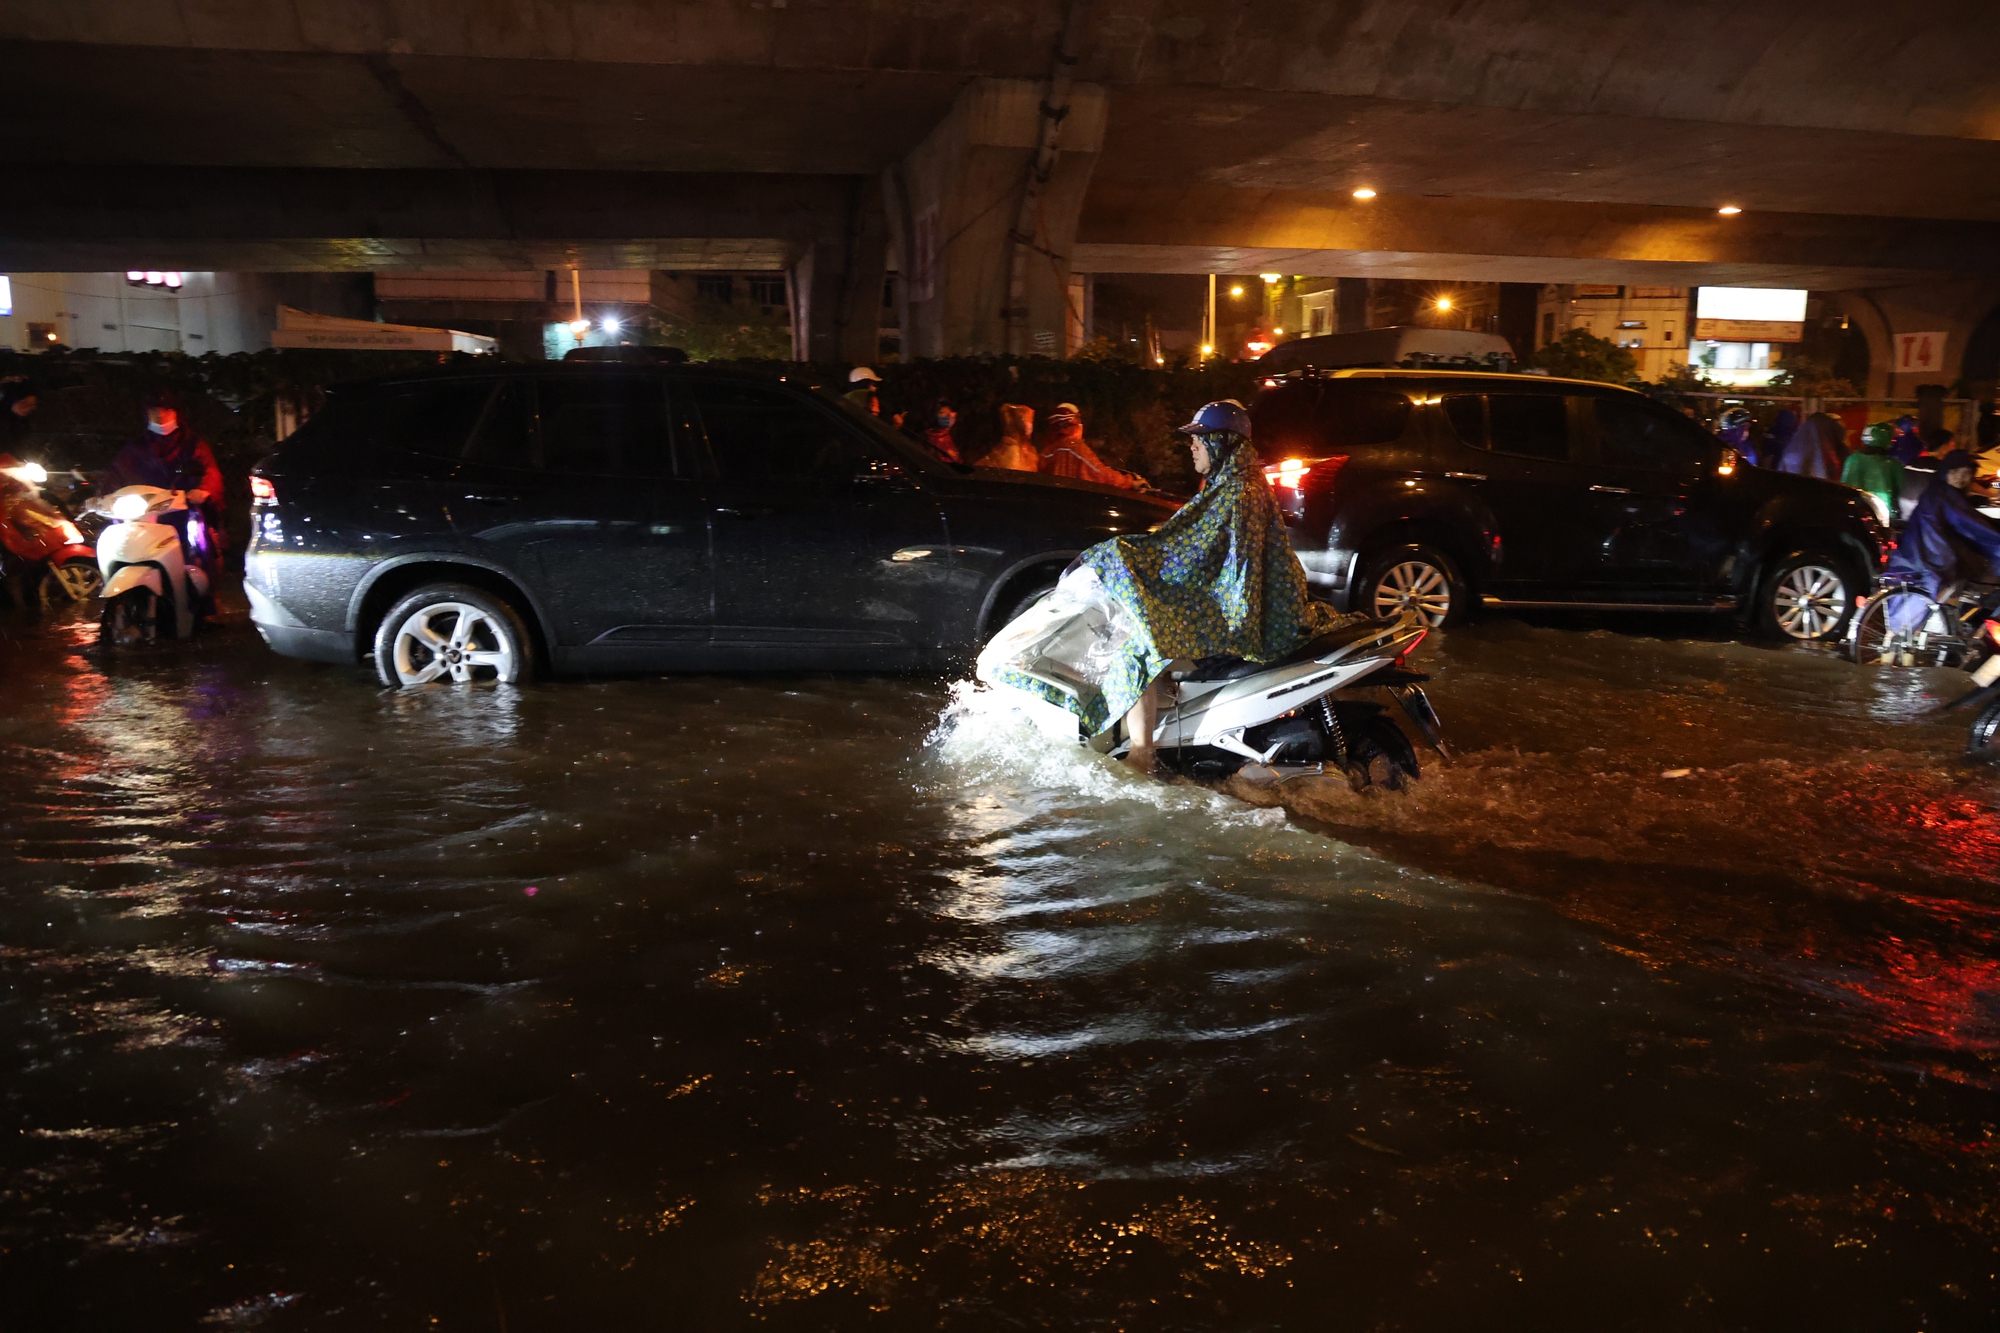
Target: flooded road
<point>778,1003</point>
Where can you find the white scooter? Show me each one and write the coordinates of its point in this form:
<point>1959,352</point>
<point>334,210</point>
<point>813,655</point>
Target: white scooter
<point>1226,713</point>
<point>150,589</point>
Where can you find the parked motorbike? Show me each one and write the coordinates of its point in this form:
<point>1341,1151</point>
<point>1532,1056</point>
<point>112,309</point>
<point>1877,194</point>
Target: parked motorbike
<point>1228,713</point>
<point>151,589</point>
<point>45,556</point>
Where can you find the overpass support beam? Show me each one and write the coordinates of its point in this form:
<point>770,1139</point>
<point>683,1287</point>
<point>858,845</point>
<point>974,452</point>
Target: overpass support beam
<point>954,201</point>
<point>836,281</point>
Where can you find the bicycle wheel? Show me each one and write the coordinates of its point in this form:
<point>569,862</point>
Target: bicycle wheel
<point>1868,639</point>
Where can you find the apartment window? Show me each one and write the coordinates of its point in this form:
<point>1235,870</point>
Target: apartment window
<point>767,290</point>
<point>1667,334</point>
<point>715,286</point>
<point>1632,324</point>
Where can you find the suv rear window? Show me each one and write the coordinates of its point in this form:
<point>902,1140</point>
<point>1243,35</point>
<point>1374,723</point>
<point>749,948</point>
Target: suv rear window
<point>1318,417</point>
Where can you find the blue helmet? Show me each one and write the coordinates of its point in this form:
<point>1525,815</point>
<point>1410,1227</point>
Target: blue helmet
<point>1225,417</point>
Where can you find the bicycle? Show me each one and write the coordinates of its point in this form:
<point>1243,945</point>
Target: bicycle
<point>1948,635</point>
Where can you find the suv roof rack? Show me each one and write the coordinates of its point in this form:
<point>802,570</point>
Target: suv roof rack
<point>1398,372</point>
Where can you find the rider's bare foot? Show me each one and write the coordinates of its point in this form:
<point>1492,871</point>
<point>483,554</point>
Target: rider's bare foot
<point>1146,760</point>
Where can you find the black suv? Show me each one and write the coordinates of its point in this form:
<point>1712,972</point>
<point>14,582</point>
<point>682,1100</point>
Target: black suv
<point>468,526</point>
<point>1434,490</point>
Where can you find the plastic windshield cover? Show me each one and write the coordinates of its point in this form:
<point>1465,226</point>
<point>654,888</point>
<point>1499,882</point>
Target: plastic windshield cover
<point>1069,641</point>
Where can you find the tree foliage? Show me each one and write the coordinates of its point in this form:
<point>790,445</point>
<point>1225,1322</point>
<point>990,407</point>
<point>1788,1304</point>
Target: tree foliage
<point>1582,355</point>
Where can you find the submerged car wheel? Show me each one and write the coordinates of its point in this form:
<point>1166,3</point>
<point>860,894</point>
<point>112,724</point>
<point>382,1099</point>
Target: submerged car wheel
<point>451,632</point>
<point>1807,599</point>
<point>1413,578</point>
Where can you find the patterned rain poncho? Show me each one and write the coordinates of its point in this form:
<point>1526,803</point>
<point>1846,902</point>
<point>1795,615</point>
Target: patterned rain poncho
<point>1217,579</point>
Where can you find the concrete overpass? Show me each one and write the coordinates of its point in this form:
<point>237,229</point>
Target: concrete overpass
<point>1586,140</point>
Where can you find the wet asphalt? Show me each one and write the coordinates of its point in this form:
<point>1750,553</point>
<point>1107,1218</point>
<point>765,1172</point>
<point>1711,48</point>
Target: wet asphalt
<point>1672,1001</point>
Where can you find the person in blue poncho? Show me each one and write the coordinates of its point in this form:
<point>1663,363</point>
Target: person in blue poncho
<point>1943,529</point>
<point>1217,579</point>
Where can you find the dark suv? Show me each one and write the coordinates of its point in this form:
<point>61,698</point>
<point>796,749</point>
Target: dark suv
<point>1435,490</point>
<point>579,518</point>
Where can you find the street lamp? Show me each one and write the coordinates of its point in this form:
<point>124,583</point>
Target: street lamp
<point>1364,193</point>
<point>1444,303</point>
<point>1237,291</point>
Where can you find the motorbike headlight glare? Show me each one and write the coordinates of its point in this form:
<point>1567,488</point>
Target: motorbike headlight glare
<point>34,472</point>
<point>129,507</point>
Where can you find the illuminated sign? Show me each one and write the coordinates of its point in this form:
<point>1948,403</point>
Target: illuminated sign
<point>6,295</point>
<point>1750,314</point>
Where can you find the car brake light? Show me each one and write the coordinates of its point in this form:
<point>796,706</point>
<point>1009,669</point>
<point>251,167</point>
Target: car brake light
<point>1291,474</point>
<point>262,491</point>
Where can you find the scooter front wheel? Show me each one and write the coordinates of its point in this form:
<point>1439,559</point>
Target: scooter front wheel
<point>77,578</point>
<point>1984,740</point>
<point>129,619</point>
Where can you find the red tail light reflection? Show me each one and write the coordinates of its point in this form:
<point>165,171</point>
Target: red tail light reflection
<point>262,491</point>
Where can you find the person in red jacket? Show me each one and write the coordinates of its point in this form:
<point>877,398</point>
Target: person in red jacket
<point>1064,453</point>
<point>171,455</point>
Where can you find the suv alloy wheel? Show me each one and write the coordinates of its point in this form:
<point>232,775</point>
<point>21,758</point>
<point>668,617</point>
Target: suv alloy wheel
<point>1807,598</point>
<point>1413,578</point>
<point>453,633</point>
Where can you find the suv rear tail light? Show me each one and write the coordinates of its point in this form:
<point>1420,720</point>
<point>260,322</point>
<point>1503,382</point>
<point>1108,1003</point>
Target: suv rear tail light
<point>1291,478</point>
<point>262,492</point>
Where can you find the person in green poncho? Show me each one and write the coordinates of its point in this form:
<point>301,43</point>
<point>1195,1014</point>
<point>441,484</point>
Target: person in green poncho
<point>1217,579</point>
<point>1874,470</point>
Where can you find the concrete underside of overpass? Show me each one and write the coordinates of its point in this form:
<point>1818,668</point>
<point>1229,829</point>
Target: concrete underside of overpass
<point>1560,141</point>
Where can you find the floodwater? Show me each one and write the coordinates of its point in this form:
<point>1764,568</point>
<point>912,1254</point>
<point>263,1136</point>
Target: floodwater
<point>778,1003</point>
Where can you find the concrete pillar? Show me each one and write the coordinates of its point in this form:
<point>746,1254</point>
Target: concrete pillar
<point>835,282</point>
<point>1950,309</point>
<point>1350,308</point>
<point>957,194</point>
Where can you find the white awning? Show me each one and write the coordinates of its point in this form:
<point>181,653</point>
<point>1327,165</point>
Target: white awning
<point>302,328</point>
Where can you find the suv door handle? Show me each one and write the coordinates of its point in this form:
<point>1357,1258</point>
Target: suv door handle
<point>1467,476</point>
<point>1613,490</point>
<point>744,511</point>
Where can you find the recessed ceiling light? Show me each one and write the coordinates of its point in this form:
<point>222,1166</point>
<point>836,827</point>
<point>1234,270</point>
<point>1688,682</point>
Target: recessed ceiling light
<point>1729,210</point>
<point>1364,193</point>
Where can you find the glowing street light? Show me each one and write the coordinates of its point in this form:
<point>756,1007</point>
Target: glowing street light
<point>1364,193</point>
<point>1444,303</point>
<point>1729,210</point>
<point>1237,290</point>
<point>610,324</point>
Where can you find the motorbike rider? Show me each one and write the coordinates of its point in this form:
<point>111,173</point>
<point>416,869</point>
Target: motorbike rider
<point>863,393</point>
<point>170,454</point>
<point>1929,552</point>
<point>1063,452</point>
<point>938,423</point>
<point>1217,579</point>
<point>1734,431</point>
<point>1873,470</point>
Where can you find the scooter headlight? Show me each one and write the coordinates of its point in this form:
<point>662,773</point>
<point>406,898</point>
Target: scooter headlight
<point>129,507</point>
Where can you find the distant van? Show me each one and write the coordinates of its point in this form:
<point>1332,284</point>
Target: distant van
<point>1400,346</point>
